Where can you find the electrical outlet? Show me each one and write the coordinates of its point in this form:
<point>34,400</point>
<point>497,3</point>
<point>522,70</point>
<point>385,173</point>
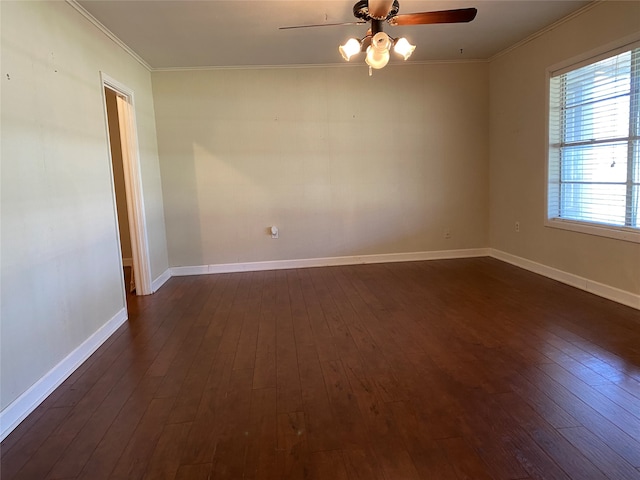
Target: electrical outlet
<point>518,227</point>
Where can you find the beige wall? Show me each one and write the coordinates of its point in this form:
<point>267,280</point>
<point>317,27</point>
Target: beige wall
<point>61,277</point>
<point>518,102</point>
<point>342,163</point>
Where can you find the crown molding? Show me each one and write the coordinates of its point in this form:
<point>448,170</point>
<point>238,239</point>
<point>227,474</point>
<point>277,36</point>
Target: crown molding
<point>546,29</point>
<point>80,9</point>
<point>324,65</point>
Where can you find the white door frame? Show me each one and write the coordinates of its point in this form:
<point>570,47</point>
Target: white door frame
<point>132,182</point>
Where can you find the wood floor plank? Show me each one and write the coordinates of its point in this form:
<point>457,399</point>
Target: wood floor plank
<point>133,462</point>
<point>39,465</point>
<point>165,459</point>
<point>363,388</point>
<point>299,314</point>
<point>202,333</point>
<point>247,342</point>
<point>322,336</point>
<point>621,397</point>
<point>233,324</point>
<point>287,377</point>
<point>491,434</point>
<point>394,459</point>
<point>88,438</point>
<point>261,460</point>
<point>447,369</point>
<point>617,415</point>
<point>293,458</point>
<point>188,373</point>
<point>344,405</point>
<point>626,446</point>
<point>176,372</point>
<point>570,459</point>
<point>191,376</point>
<point>179,329</point>
<point>464,459</point>
<point>511,442</point>
<point>28,443</point>
<point>229,458</point>
<point>435,396</point>
<point>264,374</point>
<point>427,456</point>
<point>353,309</point>
<point>542,403</point>
<point>208,423</point>
<point>598,452</point>
<point>105,455</point>
<point>327,464</point>
<point>362,464</point>
<point>200,471</point>
<point>322,433</point>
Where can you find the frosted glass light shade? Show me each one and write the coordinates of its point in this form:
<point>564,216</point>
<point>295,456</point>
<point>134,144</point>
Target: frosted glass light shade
<point>403,48</point>
<point>349,49</point>
<point>378,51</point>
<point>381,41</point>
<point>377,58</point>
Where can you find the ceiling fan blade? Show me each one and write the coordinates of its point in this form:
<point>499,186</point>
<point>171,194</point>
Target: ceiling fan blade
<point>321,25</point>
<point>461,15</point>
<point>380,8</point>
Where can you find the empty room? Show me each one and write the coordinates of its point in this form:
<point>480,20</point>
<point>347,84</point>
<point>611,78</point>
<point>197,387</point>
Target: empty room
<point>280,239</point>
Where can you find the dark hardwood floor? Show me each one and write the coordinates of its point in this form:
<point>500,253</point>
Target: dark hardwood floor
<point>452,369</point>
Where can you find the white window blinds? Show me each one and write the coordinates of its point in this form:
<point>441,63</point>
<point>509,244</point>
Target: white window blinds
<point>594,151</point>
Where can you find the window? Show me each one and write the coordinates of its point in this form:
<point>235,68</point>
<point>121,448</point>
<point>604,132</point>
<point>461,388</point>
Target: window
<point>594,146</point>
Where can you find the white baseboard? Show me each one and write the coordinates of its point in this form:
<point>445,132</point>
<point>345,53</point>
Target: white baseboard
<point>600,289</point>
<point>328,261</point>
<point>161,280</point>
<point>26,403</point>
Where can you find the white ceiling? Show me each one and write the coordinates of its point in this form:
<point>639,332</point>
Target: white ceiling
<point>217,33</point>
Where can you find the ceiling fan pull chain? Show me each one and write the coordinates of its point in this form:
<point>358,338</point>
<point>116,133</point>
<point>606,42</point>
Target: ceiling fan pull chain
<point>370,71</point>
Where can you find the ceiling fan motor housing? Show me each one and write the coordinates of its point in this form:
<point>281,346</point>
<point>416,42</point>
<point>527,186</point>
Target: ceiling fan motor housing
<point>361,10</point>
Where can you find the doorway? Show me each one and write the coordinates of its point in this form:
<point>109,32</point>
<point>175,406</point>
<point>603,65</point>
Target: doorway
<point>117,167</point>
<point>127,187</point>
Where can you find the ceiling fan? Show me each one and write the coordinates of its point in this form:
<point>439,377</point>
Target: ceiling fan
<point>377,43</point>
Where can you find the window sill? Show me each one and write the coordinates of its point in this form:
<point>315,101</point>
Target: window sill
<point>618,233</point>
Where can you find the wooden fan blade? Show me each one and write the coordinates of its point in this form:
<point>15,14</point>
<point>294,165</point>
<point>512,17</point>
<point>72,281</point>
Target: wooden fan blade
<point>379,8</point>
<point>461,15</point>
<point>321,25</point>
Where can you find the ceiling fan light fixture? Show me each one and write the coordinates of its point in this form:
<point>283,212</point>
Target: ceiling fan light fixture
<point>376,43</point>
<point>349,49</point>
<point>403,48</point>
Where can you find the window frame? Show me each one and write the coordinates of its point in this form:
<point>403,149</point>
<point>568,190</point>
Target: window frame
<point>624,233</point>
